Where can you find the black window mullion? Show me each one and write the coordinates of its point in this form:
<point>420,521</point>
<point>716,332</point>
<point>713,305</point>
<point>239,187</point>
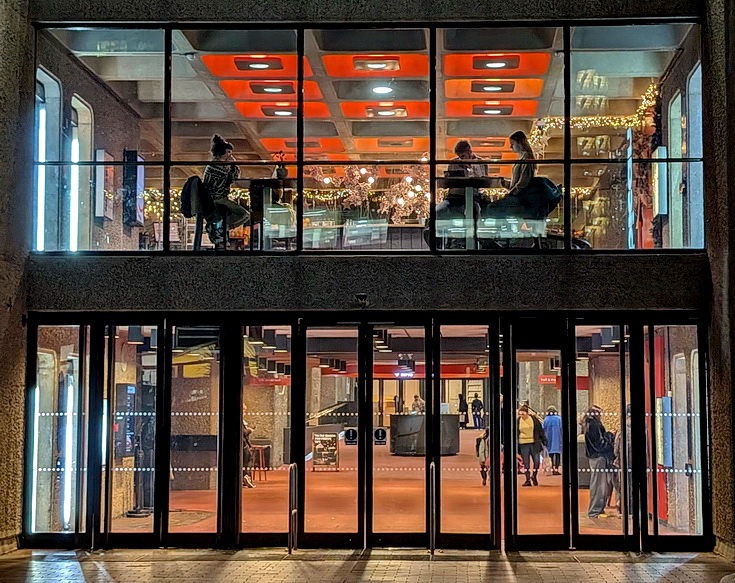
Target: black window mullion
<point>30,436</point>
<point>654,423</point>
<point>163,430</point>
<point>433,96</point>
<point>495,423</point>
<point>570,472</point>
<point>81,461</point>
<point>567,139</point>
<point>110,437</point>
<point>638,434</point>
<point>230,435</point>
<point>300,141</point>
<point>168,62</point>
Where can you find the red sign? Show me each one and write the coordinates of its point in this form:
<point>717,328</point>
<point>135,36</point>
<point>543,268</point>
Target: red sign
<point>547,379</point>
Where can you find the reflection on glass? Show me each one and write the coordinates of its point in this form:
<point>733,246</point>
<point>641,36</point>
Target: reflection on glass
<point>626,205</point>
<point>466,475</point>
<point>58,400</point>
<point>366,207</point>
<point>132,455</point>
<point>603,444</point>
<point>195,383</point>
<point>491,204</point>
<point>539,480</point>
<point>399,476</point>
<point>677,430</point>
<point>266,426</point>
<point>331,489</point>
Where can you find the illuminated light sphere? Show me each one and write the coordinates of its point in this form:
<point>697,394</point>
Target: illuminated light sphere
<point>418,188</point>
<point>409,179</point>
<point>400,200</point>
<point>327,180</point>
<point>371,179</point>
<point>411,194</point>
<point>363,171</point>
<point>424,159</point>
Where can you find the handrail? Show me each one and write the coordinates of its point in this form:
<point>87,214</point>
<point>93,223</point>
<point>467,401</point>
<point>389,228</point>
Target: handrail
<point>432,507</point>
<point>293,505</point>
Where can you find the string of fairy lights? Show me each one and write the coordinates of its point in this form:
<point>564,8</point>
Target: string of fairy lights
<point>154,198</point>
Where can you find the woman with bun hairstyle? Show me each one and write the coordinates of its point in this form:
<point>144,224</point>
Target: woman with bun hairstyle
<point>218,178</point>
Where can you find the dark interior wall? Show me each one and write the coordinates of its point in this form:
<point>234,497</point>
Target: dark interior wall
<point>360,10</point>
<point>116,128</point>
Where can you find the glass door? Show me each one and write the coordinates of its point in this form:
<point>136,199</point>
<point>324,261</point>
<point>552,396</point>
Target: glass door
<point>536,427</point>
<point>399,409</point>
<point>468,481</point>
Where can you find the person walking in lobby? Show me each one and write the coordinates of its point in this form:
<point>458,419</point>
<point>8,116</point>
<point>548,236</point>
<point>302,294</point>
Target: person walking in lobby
<point>482,451</point>
<point>600,453</point>
<point>478,410</point>
<point>552,429</point>
<point>531,440</point>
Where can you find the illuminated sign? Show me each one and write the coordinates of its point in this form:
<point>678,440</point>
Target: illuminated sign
<point>404,374</point>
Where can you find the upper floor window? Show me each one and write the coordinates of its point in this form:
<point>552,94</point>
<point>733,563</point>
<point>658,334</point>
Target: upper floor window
<point>375,139</point>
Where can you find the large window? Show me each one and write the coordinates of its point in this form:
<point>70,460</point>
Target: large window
<point>371,139</point>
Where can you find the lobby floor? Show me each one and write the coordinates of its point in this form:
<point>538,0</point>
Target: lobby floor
<point>385,566</point>
<point>399,494</point>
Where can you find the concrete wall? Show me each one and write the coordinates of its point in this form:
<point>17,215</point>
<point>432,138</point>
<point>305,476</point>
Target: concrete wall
<point>359,10</point>
<point>16,145</point>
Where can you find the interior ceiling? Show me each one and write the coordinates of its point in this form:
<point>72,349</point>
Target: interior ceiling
<point>242,84</point>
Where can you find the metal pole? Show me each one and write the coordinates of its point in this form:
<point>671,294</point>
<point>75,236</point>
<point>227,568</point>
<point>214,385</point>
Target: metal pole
<point>293,512</point>
<point>432,515</point>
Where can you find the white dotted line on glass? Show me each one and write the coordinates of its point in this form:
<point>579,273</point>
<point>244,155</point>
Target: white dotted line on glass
<point>673,471</point>
<point>193,469</point>
<point>266,414</point>
<point>195,414</point>
<point>121,415</point>
<point>672,414</point>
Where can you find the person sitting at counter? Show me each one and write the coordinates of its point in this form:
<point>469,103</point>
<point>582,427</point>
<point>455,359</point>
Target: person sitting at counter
<point>218,179</point>
<point>529,196</point>
<point>453,205</point>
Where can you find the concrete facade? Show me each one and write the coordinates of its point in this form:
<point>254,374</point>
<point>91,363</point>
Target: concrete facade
<point>600,282</point>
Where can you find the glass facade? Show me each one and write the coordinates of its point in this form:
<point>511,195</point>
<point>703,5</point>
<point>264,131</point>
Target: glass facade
<point>370,139</point>
<point>407,433</point>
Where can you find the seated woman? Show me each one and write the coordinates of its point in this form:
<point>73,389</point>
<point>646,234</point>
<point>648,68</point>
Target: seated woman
<point>217,181</point>
<point>529,196</point>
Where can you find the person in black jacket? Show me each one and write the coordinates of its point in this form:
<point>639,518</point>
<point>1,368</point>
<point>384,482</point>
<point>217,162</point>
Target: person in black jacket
<point>531,440</point>
<point>463,409</point>
<point>600,453</point>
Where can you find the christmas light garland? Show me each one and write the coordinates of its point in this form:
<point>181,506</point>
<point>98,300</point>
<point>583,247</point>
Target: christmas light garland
<point>538,136</point>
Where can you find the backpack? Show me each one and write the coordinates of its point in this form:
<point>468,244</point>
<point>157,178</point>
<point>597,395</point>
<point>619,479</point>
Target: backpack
<point>192,187</point>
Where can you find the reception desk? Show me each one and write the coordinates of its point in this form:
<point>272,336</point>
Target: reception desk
<point>408,434</point>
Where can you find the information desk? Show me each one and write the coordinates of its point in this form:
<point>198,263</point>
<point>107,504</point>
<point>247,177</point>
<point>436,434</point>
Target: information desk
<point>408,434</point>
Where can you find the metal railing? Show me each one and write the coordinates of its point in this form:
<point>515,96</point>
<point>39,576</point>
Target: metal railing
<point>293,506</point>
<point>432,507</point>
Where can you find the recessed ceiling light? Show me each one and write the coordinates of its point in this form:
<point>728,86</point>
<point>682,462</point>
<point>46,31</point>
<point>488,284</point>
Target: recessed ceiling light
<point>492,88</point>
<point>282,112</point>
<point>377,65</point>
<point>273,90</point>
<point>387,112</point>
<point>382,90</point>
<point>259,66</point>
<point>491,111</point>
<point>495,64</point>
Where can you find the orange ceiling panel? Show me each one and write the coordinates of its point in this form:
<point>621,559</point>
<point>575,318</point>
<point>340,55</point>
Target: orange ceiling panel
<point>501,88</point>
<point>310,144</point>
<point>376,109</point>
<point>269,109</point>
<point>482,144</point>
<point>482,109</point>
<point>242,89</point>
<point>403,65</point>
<point>392,144</point>
<point>516,64</point>
<point>280,66</point>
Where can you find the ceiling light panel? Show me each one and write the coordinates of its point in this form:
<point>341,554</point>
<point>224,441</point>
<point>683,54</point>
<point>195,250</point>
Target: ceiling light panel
<point>377,109</point>
<point>504,88</point>
<point>377,65</point>
<point>496,64</point>
<point>255,66</point>
<point>281,109</point>
<point>491,108</point>
<point>243,89</point>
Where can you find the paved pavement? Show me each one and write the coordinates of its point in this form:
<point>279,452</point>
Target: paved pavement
<point>384,566</point>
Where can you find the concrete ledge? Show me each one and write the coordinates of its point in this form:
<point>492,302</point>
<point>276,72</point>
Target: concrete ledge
<point>8,544</point>
<point>725,549</point>
<point>309,283</point>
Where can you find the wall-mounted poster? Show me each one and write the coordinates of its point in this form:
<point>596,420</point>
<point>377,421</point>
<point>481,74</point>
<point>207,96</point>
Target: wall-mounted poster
<point>104,187</point>
<point>325,448</point>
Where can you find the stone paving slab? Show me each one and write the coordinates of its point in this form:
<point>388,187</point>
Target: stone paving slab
<point>379,566</point>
